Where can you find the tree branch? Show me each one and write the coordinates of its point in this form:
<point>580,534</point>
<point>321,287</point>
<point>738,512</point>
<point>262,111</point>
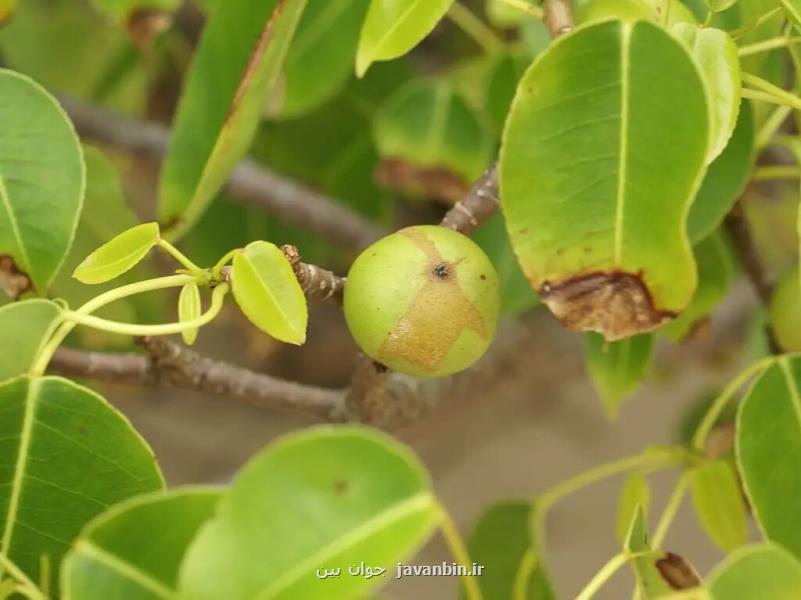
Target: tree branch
<point>250,184</point>
<point>176,365</point>
<point>743,242</point>
<point>558,17</point>
<point>477,206</point>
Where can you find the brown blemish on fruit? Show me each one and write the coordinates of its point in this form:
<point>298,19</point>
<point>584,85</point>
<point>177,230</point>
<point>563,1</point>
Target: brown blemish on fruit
<point>677,572</point>
<point>340,487</point>
<point>617,305</point>
<point>438,183</point>
<point>412,339</point>
<point>13,282</point>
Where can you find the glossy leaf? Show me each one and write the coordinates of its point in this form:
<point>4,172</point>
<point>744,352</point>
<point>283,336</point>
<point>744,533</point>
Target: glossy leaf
<point>267,291</point>
<point>725,179</point>
<point>42,178</point>
<point>768,448</point>
<point>635,494</point>
<point>68,456</point>
<point>320,59</point>
<point>715,272</point>
<point>26,326</point>
<point>234,69</point>
<point>785,312</point>
<point>758,572</point>
<point>333,496</point>
<point>118,255</point>
<point>594,214</point>
<point>392,28</point>
<point>719,504</point>
<point>658,573</point>
<point>500,541</point>
<point>716,55</point>
<point>516,294</point>
<point>426,125</point>
<point>189,309</point>
<point>134,549</point>
<point>617,368</point>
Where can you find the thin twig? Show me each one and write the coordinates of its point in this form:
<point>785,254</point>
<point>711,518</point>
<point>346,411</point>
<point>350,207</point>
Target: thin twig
<point>176,365</point>
<point>250,183</point>
<point>558,17</point>
<point>480,203</point>
<point>317,283</point>
<point>743,242</point>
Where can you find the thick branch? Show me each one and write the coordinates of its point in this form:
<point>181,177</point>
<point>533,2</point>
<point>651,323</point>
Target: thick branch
<point>477,206</point>
<point>176,365</point>
<point>317,283</point>
<point>250,183</point>
<point>558,17</point>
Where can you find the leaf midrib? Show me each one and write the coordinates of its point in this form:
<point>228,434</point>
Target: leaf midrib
<point>620,200</point>
<point>385,518</point>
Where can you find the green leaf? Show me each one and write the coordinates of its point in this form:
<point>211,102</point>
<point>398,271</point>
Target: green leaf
<point>235,66</point>
<point>67,456</point>
<point>320,59</point>
<point>595,193</point>
<point>134,549</point>
<point>118,255</point>
<point>391,29</point>
<point>7,9</point>
<point>189,309</point>
<point>267,291</point>
<point>768,446</point>
<point>715,272</point>
<point>516,294</point>
<point>27,325</point>
<point>658,573</point>
<point>42,178</point>
<point>500,542</point>
<point>631,10</point>
<point>502,14</point>
<point>758,572</point>
<point>785,312</point>
<point>719,504</point>
<point>793,10</point>
<point>725,179</point>
<point>715,54</point>
<point>716,6</point>
<point>332,496</point>
<point>635,494</point>
<point>426,125</point>
<point>617,368</point>
<point>124,10</point>
<point>501,86</point>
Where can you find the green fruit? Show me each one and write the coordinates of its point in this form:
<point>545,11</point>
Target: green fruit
<point>423,301</point>
<point>785,313</point>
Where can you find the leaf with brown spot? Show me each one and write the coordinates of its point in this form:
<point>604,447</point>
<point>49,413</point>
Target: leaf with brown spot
<point>232,74</point>
<point>600,168</point>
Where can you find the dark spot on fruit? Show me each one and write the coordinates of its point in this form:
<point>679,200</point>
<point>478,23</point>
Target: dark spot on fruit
<point>483,277</point>
<point>340,487</point>
<point>441,270</point>
<point>523,231</point>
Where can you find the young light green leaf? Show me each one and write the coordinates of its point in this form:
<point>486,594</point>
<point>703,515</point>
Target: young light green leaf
<point>768,445</point>
<point>134,549</point>
<point>267,291</point>
<point>719,504</point>
<point>70,455</point>
<point>189,309</point>
<point>784,312</point>
<point>617,368</point>
<point>26,325</point>
<point>715,272</point>
<point>595,217</point>
<point>715,54</point>
<point>758,572</point>
<point>335,496</point>
<point>516,294</point>
<point>235,66</point>
<point>658,573</point>
<point>500,541</point>
<point>725,179</point>
<point>320,59</point>
<point>118,255</point>
<point>391,29</point>
<point>433,144</point>
<point>635,494</point>
<point>717,6</point>
<point>42,178</point>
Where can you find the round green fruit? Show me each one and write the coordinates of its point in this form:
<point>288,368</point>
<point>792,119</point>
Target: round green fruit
<point>423,301</point>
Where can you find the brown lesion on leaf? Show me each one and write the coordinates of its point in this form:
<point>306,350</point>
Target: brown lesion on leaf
<point>13,282</point>
<point>436,183</point>
<point>677,572</point>
<point>617,304</point>
<point>412,339</point>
